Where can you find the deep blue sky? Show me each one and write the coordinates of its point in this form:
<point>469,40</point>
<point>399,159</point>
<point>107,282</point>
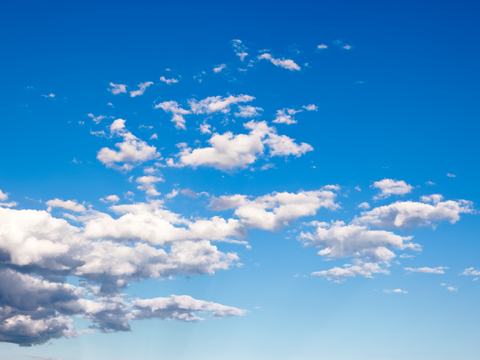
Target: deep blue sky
<point>401,103</point>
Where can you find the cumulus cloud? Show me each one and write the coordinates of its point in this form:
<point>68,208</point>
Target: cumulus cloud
<point>168,81</point>
<point>147,184</point>
<point>49,95</point>
<point>248,111</point>
<point>4,197</point>
<point>285,63</point>
<point>141,90</point>
<point>284,116</point>
<point>452,288</point>
<point>178,112</point>
<point>240,49</point>
<point>219,68</point>
<point>214,104</point>
<point>111,199</point>
<point>364,205</point>
<point>229,151</point>
<point>276,210</point>
<point>71,205</point>
<point>427,270</point>
<point>338,240</point>
<point>322,46</point>
<point>451,175</point>
<point>391,187</point>
<point>132,151</point>
<point>117,88</point>
<point>410,214</point>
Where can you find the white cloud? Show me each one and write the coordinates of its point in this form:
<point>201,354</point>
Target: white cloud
<point>347,47</point>
<point>230,151</point>
<point>248,111</point>
<point>471,271</point>
<point>147,184</point>
<point>406,256</point>
<point>132,150</point>
<point>391,187</point>
<point>311,107</point>
<point>322,46</point>
<point>431,183</point>
<point>141,90</point>
<point>240,49</point>
<point>205,128</point>
<point>172,194</point>
<point>3,196</point>
<point>277,210</point>
<point>214,104</point>
<point>427,270</point>
<point>285,63</point>
<point>178,112</point>
<point>219,68</point>
<point>364,205</point>
<point>110,198</point>
<point>409,214</point>
<point>118,88</point>
<point>451,175</point>
<point>168,81</point>
<point>338,240</point>
<point>395,291</point>
<point>96,119</point>
<point>452,288</point>
<point>49,96</point>
<point>348,270</point>
<point>284,116</point>
<point>71,205</point>
<point>358,188</point>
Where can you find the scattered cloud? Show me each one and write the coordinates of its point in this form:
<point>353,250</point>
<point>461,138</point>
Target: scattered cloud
<point>111,199</point>
<point>219,68</point>
<point>240,49</point>
<point>49,95</point>
<point>168,81</point>
<point>322,46</point>
<point>141,90</point>
<point>451,175</point>
<point>71,205</point>
<point>284,116</point>
<point>427,270</point>
<point>248,111</point>
<point>285,63</point>
<point>364,205</point>
<point>117,88</point>
<point>430,183</point>
<point>471,271</point>
<point>178,112</point>
<point>215,104</point>
<point>395,291</point>
<point>96,119</point>
<point>390,187</point>
<point>311,107</point>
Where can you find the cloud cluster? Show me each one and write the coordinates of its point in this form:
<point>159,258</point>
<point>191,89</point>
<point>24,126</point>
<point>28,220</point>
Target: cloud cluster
<point>178,112</point>
<point>215,104</point>
<point>229,151</point>
<point>240,49</point>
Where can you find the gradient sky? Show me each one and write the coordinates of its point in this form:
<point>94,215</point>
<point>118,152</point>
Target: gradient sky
<point>255,180</point>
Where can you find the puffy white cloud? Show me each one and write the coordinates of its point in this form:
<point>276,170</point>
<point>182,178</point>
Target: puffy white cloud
<point>240,49</point>
<point>178,112</point>
<point>452,288</point>
<point>451,175</point>
<point>3,196</point>
<point>110,198</point>
<point>409,214</point>
<point>338,240</point>
<point>141,90</point>
<point>96,119</point>
<point>285,63</point>
<point>214,104</point>
<point>219,68</point>
<point>364,205</point>
<point>471,271</point>
<point>205,128</point>
<point>427,270</point>
<point>117,88</point>
<point>391,187</point>
<point>359,268</point>
<point>147,184</point>
<point>133,151</point>
<point>168,81</point>
<point>284,116</point>
<point>311,107</point>
<point>276,210</point>
<point>395,291</point>
<point>230,151</point>
<point>248,111</point>
<point>71,205</point>
<point>322,46</point>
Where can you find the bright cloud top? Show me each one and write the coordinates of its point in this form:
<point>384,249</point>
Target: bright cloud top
<point>284,63</point>
<point>390,187</point>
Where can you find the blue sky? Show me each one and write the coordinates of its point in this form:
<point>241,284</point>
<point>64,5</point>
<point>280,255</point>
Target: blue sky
<point>239,181</point>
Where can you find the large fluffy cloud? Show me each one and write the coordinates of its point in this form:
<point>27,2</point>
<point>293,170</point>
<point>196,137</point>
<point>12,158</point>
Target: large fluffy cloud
<point>390,187</point>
